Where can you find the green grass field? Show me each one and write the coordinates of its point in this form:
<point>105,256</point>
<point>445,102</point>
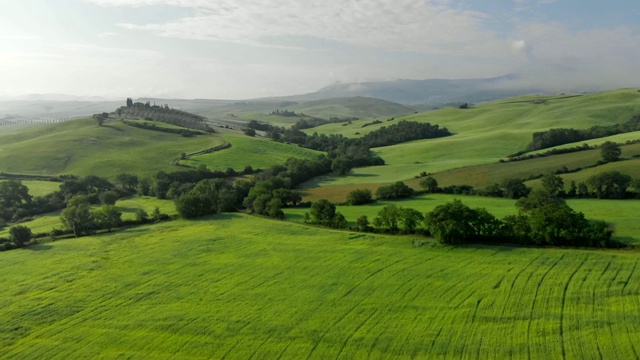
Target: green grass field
<point>47,222</point>
<point>361,107</point>
<point>482,135</point>
<point>622,214</point>
<point>257,152</point>
<point>39,188</point>
<point>239,287</point>
<point>81,147</point>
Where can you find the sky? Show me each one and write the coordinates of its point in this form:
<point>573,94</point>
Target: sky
<point>240,49</point>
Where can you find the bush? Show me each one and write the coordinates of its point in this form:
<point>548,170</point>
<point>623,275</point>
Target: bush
<point>394,191</point>
<point>20,235</point>
<point>360,197</point>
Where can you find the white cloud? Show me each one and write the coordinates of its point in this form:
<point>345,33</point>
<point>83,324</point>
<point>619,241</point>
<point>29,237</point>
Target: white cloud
<point>408,25</point>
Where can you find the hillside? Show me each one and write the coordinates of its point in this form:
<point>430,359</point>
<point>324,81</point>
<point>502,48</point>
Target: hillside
<point>257,152</point>
<point>254,288</point>
<point>483,134</point>
<point>429,92</point>
<point>236,113</point>
<point>82,147</point>
<point>361,107</point>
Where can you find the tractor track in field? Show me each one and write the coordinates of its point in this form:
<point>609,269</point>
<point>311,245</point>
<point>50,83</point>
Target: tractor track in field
<point>515,279</point>
<point>255,352</point>
<point>594,296</point>
<point>630,325</point>
<point>350,310</point>
<point>563,303</point>
<point>355,331</point>
<point>533,303</point>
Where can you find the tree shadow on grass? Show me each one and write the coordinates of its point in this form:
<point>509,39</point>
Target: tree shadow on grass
<point>223,216</point>
<point>363,175</point>
<point>498,248</point>
<point>112,127</point>
<point>39,247</point>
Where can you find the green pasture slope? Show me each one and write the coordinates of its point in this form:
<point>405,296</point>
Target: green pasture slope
<point>81,147</point>
<point>240,287</point>
<point>257,152</point>
<point>361,107</point>
<point>484,175</point>
<point>622,214</point>
<point>483,134</point>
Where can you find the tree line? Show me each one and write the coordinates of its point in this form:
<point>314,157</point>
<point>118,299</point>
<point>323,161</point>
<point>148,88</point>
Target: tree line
<point>561,136</point>
<point>163,113</point>
<point>543,219</point>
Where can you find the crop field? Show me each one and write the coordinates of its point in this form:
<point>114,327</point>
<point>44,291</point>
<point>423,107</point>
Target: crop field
<point>257,152</point>
<point>47,222</point>
<point>81,147</point>
<point>622,214</point>
<point>483,134</point>
<point>252,288</point>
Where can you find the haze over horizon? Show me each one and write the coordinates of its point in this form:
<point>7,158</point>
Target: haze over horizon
<point>239,49</point>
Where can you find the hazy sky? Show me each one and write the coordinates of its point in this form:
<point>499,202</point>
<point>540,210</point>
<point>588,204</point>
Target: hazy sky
<point>253,48</point>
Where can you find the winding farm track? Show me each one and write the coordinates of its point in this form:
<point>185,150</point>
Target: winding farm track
<point>241,287</point>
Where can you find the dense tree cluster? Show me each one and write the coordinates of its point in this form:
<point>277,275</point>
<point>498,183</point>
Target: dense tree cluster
<point>397,190</point>
<point>324,213</point>
<point>544,219</point>
<point>164,114</point>
<point>80,219</point>
<point>208,196</point>
<point>359,197</point>
<point>353,152</point>
<point>16,203</point>
<point>397,218</point>
<point>561,136</point>
<point>285,113</point>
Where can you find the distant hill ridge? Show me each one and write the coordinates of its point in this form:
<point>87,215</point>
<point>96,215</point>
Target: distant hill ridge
<point>429,91</point>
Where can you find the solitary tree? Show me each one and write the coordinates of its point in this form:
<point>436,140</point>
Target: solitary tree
<point>108,217</point>
<point>359,197</point>
<point>429,184</point>
<point>610,151</point>
<point>77,217</point>
<point>388,217</point>
<point>109,197</point>
<point>20,235</point>
<point>553,184</point>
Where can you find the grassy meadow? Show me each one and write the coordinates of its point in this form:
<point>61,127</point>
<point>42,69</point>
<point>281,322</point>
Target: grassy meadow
<point>40,187</point>
<point>239,287</point>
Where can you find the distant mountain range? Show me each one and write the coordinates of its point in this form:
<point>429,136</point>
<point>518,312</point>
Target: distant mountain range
<point>425,92</point>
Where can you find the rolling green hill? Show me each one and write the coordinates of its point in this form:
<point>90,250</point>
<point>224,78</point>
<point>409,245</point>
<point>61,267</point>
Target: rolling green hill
<point>257,152</point>
<point>82,147</point>
<point>237,287</point>
<point>483,134</point>
<point>361,107</point>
